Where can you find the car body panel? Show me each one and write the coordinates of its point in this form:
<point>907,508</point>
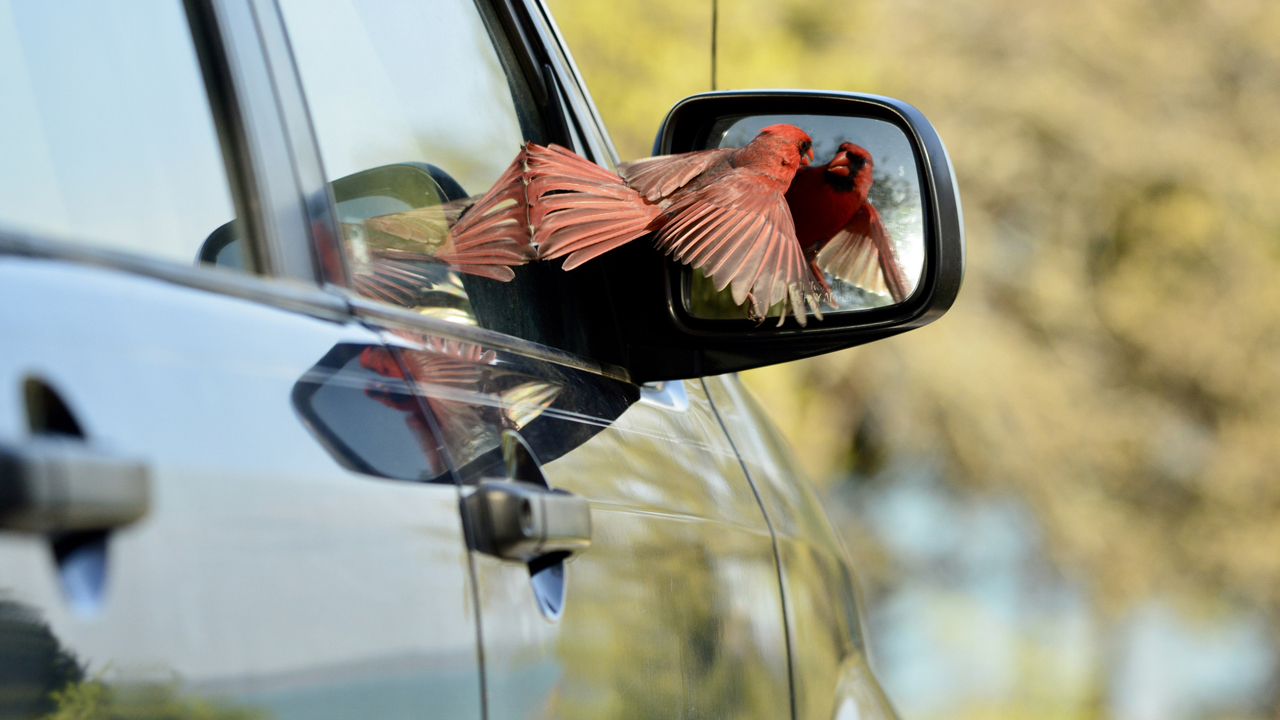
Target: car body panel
<point>828,652</point>
<point>264,574</point>
<point>676,602</point>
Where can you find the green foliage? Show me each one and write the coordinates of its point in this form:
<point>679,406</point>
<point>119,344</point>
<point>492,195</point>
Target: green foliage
<point>79,701</point>
<point>96,700</point>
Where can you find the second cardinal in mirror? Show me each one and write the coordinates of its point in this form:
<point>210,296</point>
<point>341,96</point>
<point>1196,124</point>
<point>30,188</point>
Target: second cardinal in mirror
<point>838,228</point>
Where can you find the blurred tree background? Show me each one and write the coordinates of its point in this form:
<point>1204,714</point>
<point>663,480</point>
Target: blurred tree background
<point>1111,369</point>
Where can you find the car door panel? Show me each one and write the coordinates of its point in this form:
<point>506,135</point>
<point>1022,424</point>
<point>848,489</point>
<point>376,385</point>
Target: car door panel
<point>833,677</point>
<point>265,576</point>
<point>675,606</point>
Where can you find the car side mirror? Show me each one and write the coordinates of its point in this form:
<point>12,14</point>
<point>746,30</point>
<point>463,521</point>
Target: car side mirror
<point>877,214</point>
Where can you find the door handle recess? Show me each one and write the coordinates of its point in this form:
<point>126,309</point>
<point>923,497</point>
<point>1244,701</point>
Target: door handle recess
<point>523,521</point>
<point>50,485</point>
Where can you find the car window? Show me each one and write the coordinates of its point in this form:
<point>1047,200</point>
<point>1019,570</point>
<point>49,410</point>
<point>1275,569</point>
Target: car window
<point>391,82</point>
<point>418,108</point>
<point>106,130</point>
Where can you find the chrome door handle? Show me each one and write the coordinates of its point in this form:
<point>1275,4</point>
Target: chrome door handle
<point>523,521</point>
<point>54,485</point>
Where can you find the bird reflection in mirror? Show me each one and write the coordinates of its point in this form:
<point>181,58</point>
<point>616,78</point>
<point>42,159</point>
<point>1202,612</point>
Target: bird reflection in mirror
<point>839,229</point>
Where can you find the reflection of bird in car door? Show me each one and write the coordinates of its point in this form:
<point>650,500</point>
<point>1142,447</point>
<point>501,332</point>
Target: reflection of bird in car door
<point>470,397</point>
<point>838,228</point>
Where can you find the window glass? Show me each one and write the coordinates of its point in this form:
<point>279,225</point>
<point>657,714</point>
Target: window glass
<point>105,128</point>
<point>414,110</point>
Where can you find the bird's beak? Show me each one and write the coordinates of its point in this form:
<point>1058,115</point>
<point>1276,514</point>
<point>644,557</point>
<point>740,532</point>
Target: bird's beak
<point>807,157</point>
<point>840,165</point>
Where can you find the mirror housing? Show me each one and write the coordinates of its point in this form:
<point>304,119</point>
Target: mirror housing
<point>663,341</point>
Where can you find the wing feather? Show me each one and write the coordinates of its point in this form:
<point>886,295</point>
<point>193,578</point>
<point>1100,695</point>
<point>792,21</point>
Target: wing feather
<point>733,225</point>
<point>579,209</point>
<point>863,254</point>
<point>657,177</point>
<point>484,236</point>
<point>739,232</point>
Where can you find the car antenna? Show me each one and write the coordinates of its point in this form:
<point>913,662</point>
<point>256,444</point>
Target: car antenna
<point>715,7</point>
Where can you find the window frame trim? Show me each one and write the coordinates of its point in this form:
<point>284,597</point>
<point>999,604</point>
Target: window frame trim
<point>322,239</point>
<point>281,294</point>
<point>271,147</point>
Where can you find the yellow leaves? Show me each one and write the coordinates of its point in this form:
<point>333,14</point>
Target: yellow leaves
<point>1194,289</point>
<point>638,58</point>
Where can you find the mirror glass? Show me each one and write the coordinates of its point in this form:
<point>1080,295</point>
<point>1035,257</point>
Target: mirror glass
<point>856,208</point>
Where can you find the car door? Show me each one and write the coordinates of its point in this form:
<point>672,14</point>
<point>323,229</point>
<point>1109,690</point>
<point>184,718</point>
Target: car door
<point>675,606</point>
<point>244,521</point>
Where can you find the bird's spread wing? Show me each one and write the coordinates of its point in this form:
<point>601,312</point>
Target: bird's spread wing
<point>738,231</point>
<point>398,282</point>
<point>484,236</point>
<point>658,177</point>
<point>862,254</point>
<point>427,226</point>
<point>493,234</point>
<point>580,209</point>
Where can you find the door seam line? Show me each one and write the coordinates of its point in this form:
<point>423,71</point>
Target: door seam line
<point>467,530</point>
<point>777,554</point>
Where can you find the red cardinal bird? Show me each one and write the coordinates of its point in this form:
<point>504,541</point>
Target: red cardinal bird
<point>722,211</point>
<point>837,227</point>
